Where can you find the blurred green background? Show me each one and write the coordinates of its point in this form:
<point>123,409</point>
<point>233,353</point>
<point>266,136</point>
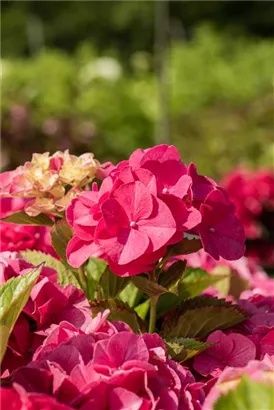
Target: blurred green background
<point>113,76</point>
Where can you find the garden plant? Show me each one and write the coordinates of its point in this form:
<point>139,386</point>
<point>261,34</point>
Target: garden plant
<point>125,287</point>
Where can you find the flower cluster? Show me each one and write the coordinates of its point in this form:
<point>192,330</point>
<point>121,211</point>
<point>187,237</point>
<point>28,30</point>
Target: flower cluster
<point>49,303</point>
<point>253,195</point>
<point>246,349</point>
<point>21,237</point>
<point>108,368</point>
<point>49,181</point>
<point>146,204</point>
<point>58,354</point>
<point>88,348</point>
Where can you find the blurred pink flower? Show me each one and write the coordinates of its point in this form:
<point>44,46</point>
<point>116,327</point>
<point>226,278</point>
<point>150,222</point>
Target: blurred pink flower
<point>262,371</point>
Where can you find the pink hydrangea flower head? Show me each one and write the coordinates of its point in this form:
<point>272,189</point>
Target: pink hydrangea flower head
<point>134,223</point>
<point>128,370</point>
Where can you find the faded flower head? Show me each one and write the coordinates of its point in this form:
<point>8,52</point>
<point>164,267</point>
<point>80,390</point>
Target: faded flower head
<point>50,181</point>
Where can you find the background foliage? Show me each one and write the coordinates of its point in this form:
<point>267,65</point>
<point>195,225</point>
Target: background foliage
<point>82,76</point>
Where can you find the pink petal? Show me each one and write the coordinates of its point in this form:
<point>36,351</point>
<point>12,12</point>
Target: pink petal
<point>181,187</point>
<point>119,349</point>
<point>114,215</point>
<point>128,245</point>
<point>135,200</point>
<point>160,226</point>
<point>78,251</point>
<point>233,350</point>
<point>122,399</point>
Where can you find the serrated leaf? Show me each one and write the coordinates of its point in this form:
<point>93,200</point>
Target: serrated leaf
<point>142,309</point>
<point>193,283</point>
<point>182,349</point>
<point>13,297</point>
<point>148,286</point>
<point>21,218</point>
<point>200,316</point>
<point>65,276</point>
<point>174,273</point>
<point>61,233</point>
<point>111,285</point>
<point>190,244</point>
<point>248,395</point>
<point>119,311</point>
<point>131,295</point>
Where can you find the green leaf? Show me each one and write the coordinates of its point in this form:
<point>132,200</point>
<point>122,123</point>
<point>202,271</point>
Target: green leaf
<point>131,295</point>
<point>142,309</point>
<point>190,244</point>
<point>111,285</point>
<point>61,233</point>
<point>148,286</point>
<point>199,316</point>
<point>182,349</point>
<point>65,276</point>
<point>170,276</point>
<point>13,297</point>
<point>223,285</point>
<point>193,283</point>
<point>119,311</point>
<point>21,218</point>
<point>93,270</point>
<point>248,395</point>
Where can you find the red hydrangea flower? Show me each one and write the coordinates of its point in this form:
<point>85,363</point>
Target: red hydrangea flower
<point>48,303</point>
<point>146,204</point>
<point>221,232</point>
<point>253,196</point>
<point>109,371</point>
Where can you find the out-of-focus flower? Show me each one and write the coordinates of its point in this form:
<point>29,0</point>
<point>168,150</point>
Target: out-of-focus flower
<point>229,379</point>
<point>253,196</point>
<point>21,237</point>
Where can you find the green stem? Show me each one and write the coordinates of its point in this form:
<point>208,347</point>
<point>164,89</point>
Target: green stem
<point>153,305</point>
<point>153,313</point>
<point>83,280</point>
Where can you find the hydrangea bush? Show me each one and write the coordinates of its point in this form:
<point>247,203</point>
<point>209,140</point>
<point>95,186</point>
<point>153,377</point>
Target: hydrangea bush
<point>126,287</point>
